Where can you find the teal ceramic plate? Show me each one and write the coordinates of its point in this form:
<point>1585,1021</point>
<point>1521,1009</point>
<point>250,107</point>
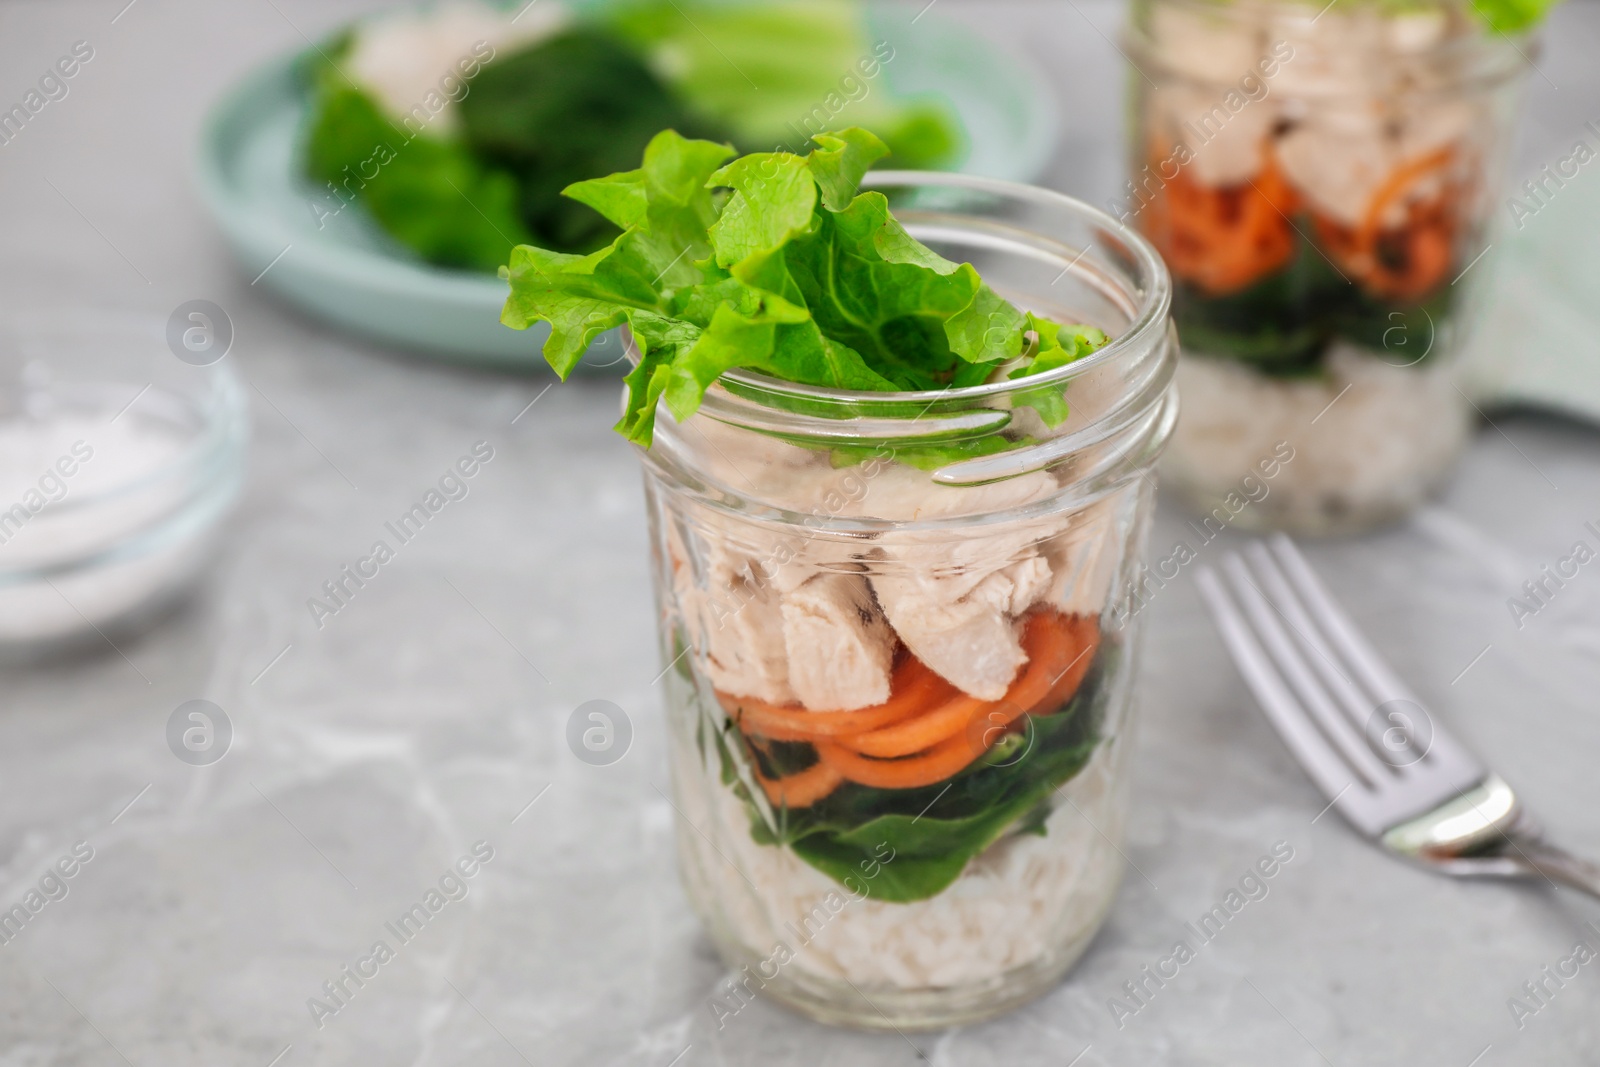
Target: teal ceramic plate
<point>352,275</point>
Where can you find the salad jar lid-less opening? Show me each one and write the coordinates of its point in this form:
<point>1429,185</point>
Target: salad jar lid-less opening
<point>1321,180</point>
<point>899,655</point>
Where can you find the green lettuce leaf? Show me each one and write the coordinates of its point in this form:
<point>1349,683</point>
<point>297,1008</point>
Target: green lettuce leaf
<point>774,200</point>
<point>825,73</point>
<point>773,262</point>
<point>1056,346</point>
<point>1512,16</point>
<point>581,297</point>
<point>930,456</point>
<point>666,205</point>
<point>661,341</point>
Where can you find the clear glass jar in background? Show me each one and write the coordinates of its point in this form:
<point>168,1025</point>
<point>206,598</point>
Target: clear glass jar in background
<point>1320,179</point>
<point>900,663</point>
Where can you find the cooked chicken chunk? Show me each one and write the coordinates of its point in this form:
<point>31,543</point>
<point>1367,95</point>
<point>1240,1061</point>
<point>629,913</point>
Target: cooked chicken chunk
<point>899,493</point>
<point>734,621</point>
<point>404,57</point>
<point>840,650</point>
<point>969,639</point>
<point>1342,157</point>
<point>1084,560</point>
<point>1214,48</point>
<point>1227,143</point>
<point>742,638</point>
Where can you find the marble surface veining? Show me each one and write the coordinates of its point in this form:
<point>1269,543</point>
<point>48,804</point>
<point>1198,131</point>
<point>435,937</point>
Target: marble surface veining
<point>428,714</point>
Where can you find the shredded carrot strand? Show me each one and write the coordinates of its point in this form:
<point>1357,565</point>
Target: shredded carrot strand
<point>1392,189</point>
<point>950,738</point>
<point>916,734</point>
<point>927,730</point>
<point>1086,645</point>
<point>945,759</point>
<point>802,789</point>
<point>1222,239</point>
<point>911,689</point>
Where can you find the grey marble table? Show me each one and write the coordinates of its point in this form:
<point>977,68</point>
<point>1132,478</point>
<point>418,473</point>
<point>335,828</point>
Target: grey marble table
<point>428,715</point>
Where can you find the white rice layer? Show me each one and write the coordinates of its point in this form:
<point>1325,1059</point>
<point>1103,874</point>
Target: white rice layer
<point>1371,440</point>
<point>1023,899</point>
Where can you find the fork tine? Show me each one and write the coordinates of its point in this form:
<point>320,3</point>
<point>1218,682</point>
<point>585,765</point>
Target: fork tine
<point>1276,634</point>
<point>1383,683</point>
<point>1369,668</point>
<point>1290,720</point>
<point>1341,679</point>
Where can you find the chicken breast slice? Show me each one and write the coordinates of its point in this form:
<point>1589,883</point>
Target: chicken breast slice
<point>402,58</point>
<point>1228,145</point>
<point>898,493</point>
<point>840,650</point>
<point>970,639</point>
<point>1341,157</point>
<point>741,639</point>
<point>1084,561</point>
<point>1215,48</point>
<point>757,465</point>
<point>734,623</point>
<point>951,595</point>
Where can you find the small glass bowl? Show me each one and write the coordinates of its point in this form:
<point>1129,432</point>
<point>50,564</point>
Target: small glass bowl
<point>118,460</point>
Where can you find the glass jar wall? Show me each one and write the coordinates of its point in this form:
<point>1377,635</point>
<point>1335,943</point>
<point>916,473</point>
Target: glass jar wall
<point>900,654</point>
<point>1320,180</point>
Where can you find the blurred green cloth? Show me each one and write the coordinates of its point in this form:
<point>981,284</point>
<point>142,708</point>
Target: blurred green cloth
<point>1537,341</point>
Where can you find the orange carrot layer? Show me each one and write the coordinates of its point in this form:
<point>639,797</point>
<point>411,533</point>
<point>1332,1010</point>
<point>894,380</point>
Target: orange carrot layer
<point>803,789</point>
<point>945,759</point>
<point>1086,644</point>
<point>915,734</point>
<point>1043,641</point>
<point>1405,261</point>
<point>951,737</point>
<point>927,730</point>
<point>1393,188</point>
<point>912,689</point>
<point>1223,239</point>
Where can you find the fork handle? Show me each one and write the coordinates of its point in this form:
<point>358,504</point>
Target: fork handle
<point>1558,865</point>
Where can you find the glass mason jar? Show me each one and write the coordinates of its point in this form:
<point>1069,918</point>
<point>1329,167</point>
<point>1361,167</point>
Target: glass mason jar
<point>1320,180</point>
<point>899,657</point>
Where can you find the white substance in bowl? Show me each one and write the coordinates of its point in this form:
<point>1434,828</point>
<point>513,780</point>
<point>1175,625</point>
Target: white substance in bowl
<point>1378,449</point>
<point>104,513</point>
<point>103,457</point>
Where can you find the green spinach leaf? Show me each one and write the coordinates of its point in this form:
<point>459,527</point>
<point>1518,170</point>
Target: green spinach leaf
<point>933,832</point>
<point>430,194</point>
<point>564,110</point>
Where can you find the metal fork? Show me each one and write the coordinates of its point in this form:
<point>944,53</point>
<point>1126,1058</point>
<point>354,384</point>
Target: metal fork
<point>1362,736</point>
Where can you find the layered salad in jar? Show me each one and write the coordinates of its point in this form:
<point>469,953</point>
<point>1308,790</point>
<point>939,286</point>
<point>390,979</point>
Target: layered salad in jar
<point>897,686</point>
<point>1320,179</point>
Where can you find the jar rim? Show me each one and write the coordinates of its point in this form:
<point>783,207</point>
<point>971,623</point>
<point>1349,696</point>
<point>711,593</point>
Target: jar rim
<point>1148,322</point>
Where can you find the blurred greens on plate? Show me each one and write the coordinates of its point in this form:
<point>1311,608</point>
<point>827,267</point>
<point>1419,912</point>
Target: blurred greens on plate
<point>471,121</point>
<point>382,176</point>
